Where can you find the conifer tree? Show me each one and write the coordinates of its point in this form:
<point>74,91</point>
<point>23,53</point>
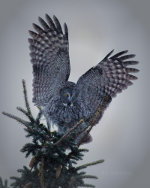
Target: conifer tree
<point>54,162</point>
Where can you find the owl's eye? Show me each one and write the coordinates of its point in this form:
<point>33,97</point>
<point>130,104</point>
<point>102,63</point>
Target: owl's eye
<point>66,95</point>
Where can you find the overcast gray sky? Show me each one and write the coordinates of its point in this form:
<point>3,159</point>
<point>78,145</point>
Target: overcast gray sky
<point>122,137</point>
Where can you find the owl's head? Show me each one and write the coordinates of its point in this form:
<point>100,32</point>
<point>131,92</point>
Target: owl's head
<point>68,94</point>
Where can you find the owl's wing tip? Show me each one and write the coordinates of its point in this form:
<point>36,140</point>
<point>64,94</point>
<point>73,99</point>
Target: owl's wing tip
<point>108,55</point>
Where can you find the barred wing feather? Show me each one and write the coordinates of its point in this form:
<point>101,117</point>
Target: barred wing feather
<point>108,78</point>
<point>50,59</point>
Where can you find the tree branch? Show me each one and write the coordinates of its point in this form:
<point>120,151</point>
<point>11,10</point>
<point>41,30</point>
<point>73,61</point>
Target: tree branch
<point>18,119</point>
<point>89,164</point>
<point>69,132</point>
<point>26,98</point>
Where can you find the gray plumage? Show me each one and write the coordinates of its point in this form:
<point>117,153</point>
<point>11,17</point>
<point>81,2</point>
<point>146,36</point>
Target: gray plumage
<point>64,102</point>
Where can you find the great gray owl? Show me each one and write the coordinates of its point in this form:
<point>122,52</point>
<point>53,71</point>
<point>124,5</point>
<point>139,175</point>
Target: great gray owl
<point>63,102</point>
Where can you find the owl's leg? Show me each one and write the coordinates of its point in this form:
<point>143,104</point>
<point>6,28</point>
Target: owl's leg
<point>83,137</point>
<point>87,139</point>
<point>80,136</point>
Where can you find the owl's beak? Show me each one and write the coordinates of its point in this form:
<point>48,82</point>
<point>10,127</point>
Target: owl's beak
<point>69,103</point>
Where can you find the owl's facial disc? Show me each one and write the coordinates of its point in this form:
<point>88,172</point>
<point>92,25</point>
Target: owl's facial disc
<point>67,96</point>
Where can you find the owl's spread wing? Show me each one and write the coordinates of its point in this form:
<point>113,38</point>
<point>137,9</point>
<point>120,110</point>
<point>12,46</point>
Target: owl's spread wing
<point>50,59</point>
<point>104,81</point>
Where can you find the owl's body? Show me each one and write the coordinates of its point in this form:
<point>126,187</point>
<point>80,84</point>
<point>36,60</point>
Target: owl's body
<point>65,103</point>
<point>67,113</point>
<point>62,112</point>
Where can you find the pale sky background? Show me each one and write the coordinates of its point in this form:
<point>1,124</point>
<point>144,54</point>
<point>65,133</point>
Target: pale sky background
<point>122,137</point>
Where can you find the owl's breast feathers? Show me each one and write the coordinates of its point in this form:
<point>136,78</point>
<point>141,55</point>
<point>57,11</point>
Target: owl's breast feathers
<point>67,116</point>
<point>63,115</point>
